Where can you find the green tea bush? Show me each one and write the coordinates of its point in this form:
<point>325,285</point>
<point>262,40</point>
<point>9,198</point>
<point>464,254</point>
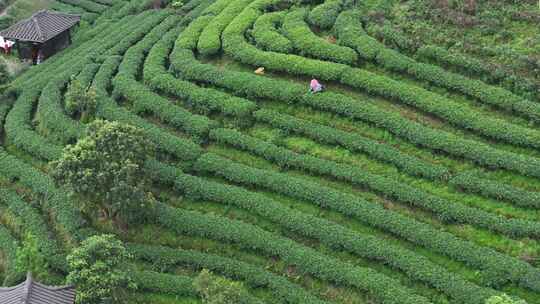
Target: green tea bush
<point>182,148</point>
<point>267,36</point>
<point>190,35</point>
<point>282,289</point>
<point>19,130</point>
<point>8,247</point>
<point>324,15</point>
<point>235,45</point>
<point>87,5</point>
<point>353,142</point>
<point>253,86</point>
<point>204,100</point>
<point>50,113</point>
<point>306,43</point>
<point>387,290</point>
<point>68,220</point>
<point>445,210</point>
<point>472,67</point>
<point>392,60</point>
<point>210,39</point>
<point>144,99</point>
<point>459,114</point>
<point>329,233</point>
<point>35,225</point>
<point>476,182</point>
<point>407,228</point>
<point>350,33</point>
<point>178,285</point>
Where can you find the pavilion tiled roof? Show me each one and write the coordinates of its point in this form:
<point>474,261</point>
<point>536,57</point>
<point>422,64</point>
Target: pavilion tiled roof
<point>31,292</point>
<point>41,26</point>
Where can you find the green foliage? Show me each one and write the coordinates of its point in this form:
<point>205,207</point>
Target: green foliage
<point>4,74</point>
<point>218,290</point>
<point>307,43</point>
<point>267,36</point>
<point>503,299</point>
<point>353,142</point>
<point>334,236</point>
<point>306,259</point>
<point>8,249</point>
<point>80,100</point>
<point>203,100</point>
<point>247,84</point>
<point>410,229</point>
<point>458,114</point>
<point>325,14</point>
<point>99,271</point>
<point>164,283</point>
<point>210,39</point>
<point>19,131</point>
<point>177,4</point>
<point>144,99</point>
<point>31,259</point>
<point>477,182</point>
<point>87,5</point>
<point>105,168</point>
<point>182,148</point>
<point>351,34</point>
<point>67,218</point>
<point>35,226</point>
<point>165,258</point>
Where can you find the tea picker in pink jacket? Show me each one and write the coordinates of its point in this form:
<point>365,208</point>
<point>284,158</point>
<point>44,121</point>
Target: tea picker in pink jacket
<point>315,86</point>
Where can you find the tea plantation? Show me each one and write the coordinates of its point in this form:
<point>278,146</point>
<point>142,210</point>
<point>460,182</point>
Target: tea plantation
<point>412,178</point>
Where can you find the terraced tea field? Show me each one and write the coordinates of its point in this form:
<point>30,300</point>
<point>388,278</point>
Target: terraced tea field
<point>403,182</point>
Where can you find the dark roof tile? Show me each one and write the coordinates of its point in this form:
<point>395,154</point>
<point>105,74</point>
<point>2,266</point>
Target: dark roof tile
<point>41,26</point>
<point>30,292</point>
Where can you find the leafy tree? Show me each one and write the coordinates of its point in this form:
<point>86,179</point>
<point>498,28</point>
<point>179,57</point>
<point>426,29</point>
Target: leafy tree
<point>99,271</point>
<point>503,299</point>
<point>80,100</point>
<point>106,169</point>
<point>218,290</point>
<point>30,258</point>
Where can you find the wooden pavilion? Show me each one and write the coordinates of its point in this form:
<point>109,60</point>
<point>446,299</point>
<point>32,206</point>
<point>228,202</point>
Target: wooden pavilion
<point>32,292</point>
<point>42,35</point>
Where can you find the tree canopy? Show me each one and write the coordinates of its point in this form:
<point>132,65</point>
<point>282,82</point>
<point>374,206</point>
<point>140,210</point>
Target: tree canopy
<point>106,169</point>
<point>99,270</point>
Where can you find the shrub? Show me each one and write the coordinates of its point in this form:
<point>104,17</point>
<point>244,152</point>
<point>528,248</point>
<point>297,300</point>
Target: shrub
<point>267,36</point>
<point>308,44</point>
<point>31,259</point>
<point>247,84</point>
<point>422,234</point>
<point>218,290</point>
<point>8,247</point>
<point>308,260</point>
<point>210,39</point>
<point>164,283</point>
<point>327,232</point>
<point>351,34</point>
<point>98,269</point>
<point>353,142</point>
<point>80,100</point>
<point>325,14</point>
<point>164,258</point>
